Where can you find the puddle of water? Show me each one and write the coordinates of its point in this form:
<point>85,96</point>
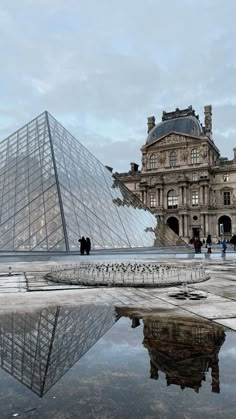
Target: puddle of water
<point>100,362</point>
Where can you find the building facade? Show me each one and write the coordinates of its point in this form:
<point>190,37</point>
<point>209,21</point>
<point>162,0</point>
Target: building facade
<point>183,179</point>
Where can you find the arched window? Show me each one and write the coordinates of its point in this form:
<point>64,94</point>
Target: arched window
<point>194,156</point>
<point>153,161</point>
<point>172,159</point>
<point>172,201</point>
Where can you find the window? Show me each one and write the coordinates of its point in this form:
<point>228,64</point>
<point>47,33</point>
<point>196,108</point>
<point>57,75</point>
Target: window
<point>194,177</point>
<point>226,177</point>
<point>172,201</point>
<point>153,162</point>
<point>153,200</point>
<point>194,198</point>
<point>194,156</point>
<point>226,198</point>
<point>172,159</point>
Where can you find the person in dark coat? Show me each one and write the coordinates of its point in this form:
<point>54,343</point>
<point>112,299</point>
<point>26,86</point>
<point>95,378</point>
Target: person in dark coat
<point>82,242</point>
<point>197,245</point>
<point>233,241</point>
<point>88,245</point>
<point>208,243</point>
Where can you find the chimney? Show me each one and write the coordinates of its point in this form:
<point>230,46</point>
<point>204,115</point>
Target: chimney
<point>208,120</point>
<point>133,167</point>
<point>150,123</point>
<point>234,150</point>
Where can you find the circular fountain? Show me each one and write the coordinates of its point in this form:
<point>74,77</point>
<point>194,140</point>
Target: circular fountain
<point>125,274</point>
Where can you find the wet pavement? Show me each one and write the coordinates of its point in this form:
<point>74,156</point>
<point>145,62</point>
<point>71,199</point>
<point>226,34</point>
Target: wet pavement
<point>117,353</point>
<point>115,362</point>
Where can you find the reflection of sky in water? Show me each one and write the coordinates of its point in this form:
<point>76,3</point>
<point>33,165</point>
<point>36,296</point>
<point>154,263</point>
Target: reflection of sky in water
<point>112,380</point>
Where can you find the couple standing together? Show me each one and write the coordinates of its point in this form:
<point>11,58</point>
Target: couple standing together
<point>85,245</point>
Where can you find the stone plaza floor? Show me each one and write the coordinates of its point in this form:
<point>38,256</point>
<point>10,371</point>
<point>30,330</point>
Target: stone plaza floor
<point>70,351</point>
<point>26,287</point>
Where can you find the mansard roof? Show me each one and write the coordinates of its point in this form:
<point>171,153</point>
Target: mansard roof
<point>189,125</point>
<point>182,121</point>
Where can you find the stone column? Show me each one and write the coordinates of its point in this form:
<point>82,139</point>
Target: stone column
<point>216,226</point>
<point>213,226</point>
<point>186,232</point>
<point>201,195</point>
<point>233,224</point>
<point>202,225</point>
<point>157,197</point>
<point>210,223</point>
<point>161,197</point>
<point>206,195</point>
<point>207,224</point>
<point>185,195</point>
<point>145,197</point>
<point>180,226</point>
<point>180,196</point>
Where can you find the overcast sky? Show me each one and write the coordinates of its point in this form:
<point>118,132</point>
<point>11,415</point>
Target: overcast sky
<point>102,66</point>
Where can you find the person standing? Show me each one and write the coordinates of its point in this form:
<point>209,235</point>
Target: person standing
<point>224,246</point>
<point>208,243</point>
<point>197,245</point>
<point>233,241</point>
<point>88,245</point>
<point>83,245</point>
<point>82,242</point>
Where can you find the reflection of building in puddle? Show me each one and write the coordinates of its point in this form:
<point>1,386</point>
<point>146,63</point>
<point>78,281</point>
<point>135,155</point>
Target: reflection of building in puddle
<point>39,347</point>
<point>184,349</point>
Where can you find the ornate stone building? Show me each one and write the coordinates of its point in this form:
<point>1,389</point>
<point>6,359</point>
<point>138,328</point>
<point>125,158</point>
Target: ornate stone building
<point>183,179</point>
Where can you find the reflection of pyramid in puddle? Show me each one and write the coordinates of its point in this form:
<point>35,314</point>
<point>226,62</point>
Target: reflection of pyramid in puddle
<point>37,348</point>
<point>183,348</point>
<point>53,191</point>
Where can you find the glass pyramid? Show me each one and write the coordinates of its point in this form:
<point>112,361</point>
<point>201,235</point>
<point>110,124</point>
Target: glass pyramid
<point>54,191</point>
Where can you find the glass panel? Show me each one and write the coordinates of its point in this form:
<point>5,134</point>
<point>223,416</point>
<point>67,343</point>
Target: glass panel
<point>26,174</point>
<point>94,201</point>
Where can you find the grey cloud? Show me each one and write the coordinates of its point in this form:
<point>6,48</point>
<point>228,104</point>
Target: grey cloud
<point>111,64</point>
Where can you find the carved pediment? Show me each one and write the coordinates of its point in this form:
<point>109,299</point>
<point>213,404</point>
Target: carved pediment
<point>227,189</point>
<point>172,139</point>
<point>153,180</point>
<point>182,177</point>
<point>170,178</point>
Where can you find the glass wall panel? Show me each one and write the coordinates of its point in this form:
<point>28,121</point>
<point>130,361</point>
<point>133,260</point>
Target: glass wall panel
<point>26,173</point>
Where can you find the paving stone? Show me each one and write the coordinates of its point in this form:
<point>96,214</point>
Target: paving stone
<point>215,310</point>
<point>231,323</point>
<point>219,305</point>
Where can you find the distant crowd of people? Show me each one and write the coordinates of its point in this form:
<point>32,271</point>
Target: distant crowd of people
<point>85,245</point>
<point>197,243</point>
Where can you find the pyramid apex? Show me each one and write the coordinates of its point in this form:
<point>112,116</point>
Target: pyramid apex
<point>56,185</point>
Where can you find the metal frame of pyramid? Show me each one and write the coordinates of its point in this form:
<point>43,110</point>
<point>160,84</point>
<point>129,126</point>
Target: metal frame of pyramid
<point>54,191</point>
